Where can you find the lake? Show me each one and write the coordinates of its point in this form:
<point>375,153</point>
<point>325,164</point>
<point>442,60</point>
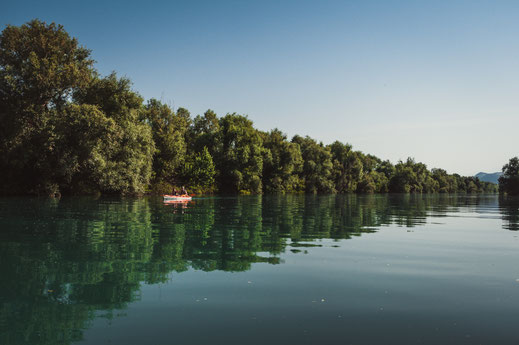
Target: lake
<point>292,269</point>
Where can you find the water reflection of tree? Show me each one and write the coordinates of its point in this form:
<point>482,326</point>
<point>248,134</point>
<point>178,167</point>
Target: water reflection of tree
<point>58,269</point>
<point>62,261</point>
<point>509,207</point>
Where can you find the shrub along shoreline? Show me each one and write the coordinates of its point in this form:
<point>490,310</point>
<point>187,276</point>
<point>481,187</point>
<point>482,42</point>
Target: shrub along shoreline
<point>64,128</point>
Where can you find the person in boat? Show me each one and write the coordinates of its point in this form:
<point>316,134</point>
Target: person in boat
<point>175,191</point>
<point>184,191</point>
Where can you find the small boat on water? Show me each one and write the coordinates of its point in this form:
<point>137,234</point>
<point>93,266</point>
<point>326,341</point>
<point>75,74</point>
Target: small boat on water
<point>183,197</point>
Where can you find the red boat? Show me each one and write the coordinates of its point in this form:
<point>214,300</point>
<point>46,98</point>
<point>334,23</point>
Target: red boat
<point>177,198</point>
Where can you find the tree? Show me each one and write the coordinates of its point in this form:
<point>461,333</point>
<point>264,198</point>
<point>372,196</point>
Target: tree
<point>81,134</point>
<point>411,177</point>
<point>347,167</point>
<point>446,183</point>
<point>125,160</point>
<point>282,162</point>
<point>204,132</point>
<point>65,128</point>
<point>240,161</point>
<point>169,131</point>
<point>317,167</point>
<point>509,181</point>
<point>385,170</point>
<point>199,171</point>
<point>40,67</point>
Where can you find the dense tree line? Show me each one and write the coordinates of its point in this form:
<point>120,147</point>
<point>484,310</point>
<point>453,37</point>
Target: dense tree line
<point>66,129</point>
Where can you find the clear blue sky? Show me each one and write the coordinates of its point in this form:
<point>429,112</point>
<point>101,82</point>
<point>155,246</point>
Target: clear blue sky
<point>435,80</point>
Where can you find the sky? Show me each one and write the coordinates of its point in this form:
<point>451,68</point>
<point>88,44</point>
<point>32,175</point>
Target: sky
<point>433,80</point>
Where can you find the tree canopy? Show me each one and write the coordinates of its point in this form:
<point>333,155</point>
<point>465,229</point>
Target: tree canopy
<point>64,128</point>
<point>509,181</point>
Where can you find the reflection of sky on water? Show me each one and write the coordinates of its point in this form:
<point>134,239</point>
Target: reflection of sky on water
<point>122,269</point>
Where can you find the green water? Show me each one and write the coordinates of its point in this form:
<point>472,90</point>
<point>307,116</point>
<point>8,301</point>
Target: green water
<point>437,269</point>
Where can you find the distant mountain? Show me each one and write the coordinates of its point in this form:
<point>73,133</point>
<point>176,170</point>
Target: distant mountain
<point>489,177</point>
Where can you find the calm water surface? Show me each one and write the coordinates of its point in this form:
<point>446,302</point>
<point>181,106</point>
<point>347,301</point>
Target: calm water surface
<point>431,269</point>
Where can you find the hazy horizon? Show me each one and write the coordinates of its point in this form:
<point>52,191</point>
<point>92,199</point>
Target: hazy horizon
<point>434,81</point>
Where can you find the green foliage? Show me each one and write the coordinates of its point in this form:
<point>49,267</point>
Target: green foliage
<point>317,167</point>
<point>40,67</point>
<point>409,177</point>
<point>75,165</point>
<point>199,171</point>
<point>347,167</point>
<point>205,132</point>
<point>412,177</point>
<point>282,163</point>
<point>126,162</point>
<point>64,128</point>
<point>509,181</point>
<point>112,95</point>
<point>240,161</point>
<point>373,182</point>
<point>169,131</point>
<point>446,183</point>
<point>125,158</point>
